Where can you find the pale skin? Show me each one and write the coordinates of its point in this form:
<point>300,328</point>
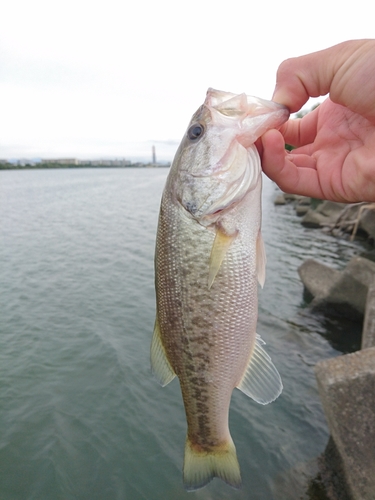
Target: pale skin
<point>334,157</point>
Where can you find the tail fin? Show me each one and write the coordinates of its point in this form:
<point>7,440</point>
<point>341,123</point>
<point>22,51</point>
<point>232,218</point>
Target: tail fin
<point>200,467</point>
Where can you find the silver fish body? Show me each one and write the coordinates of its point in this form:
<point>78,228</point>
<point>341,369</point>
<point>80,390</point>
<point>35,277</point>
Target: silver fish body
<point>209,257</point>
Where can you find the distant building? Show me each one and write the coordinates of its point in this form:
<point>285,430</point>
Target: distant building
<point>122,162</point>
<point>22,162</point>
<point>62,161</point>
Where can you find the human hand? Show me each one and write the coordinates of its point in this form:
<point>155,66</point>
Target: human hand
<point>335,144</point>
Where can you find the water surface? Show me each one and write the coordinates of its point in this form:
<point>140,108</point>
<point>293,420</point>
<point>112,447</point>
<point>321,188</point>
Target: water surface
<point>81,416</point>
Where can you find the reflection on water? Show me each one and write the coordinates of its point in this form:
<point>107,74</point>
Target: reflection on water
<point>80,415</point>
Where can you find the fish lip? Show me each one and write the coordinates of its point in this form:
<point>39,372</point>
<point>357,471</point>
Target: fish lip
<point>249,116</point>
<point>248,104</point>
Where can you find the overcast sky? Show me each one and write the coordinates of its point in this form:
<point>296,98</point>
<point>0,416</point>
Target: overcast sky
<point>110,78</point>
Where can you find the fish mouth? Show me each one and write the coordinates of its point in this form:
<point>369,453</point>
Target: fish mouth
<point>237,105</point>
<point>250,115</point>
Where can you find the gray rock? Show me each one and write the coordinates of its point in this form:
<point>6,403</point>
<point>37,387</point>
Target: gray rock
<point>301,210</point>
<point>352,286</point>
<point>314,219</point>
<point>368,331</point>
<point>347,389</point>
<point>317,278</point>
<point>293,483</point>
<point>304,200</point>
<point>332,473</point>
<point>370,255</point>
<point>345,222</point>
<point>340,292</point>
<point>358,217</point>
<point>367,222</point>
<point>283,198</point>
<point>331,209</point>
<point>326,213</point>
<point>292,197</point>
<point>279,200</point>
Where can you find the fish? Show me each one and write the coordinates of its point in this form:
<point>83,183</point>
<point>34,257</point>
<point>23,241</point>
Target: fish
<point>209,258</point>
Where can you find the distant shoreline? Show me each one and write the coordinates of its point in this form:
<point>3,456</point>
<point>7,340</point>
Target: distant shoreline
<point>52,165</point>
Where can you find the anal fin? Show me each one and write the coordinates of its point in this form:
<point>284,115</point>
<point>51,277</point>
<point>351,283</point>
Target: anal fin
<point>261,380</point>
<point>160,365</point>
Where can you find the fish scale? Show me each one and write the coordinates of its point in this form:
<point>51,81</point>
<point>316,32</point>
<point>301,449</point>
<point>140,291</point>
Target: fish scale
<point>208,258</point>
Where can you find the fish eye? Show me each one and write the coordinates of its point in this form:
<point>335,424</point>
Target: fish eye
<point>195,131</point>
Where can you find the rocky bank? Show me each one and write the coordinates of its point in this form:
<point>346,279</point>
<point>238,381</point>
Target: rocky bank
<point>337,218</point>
<point>346,383</point>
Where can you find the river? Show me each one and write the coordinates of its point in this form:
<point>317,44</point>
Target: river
<point>81,416</point>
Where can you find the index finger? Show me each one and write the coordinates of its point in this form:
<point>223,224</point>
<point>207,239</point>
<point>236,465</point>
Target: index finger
<point>301,131</point>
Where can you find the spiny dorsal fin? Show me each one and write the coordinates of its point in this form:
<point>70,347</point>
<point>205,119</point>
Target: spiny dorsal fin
<point>261,380</point>
<point>220,247</point>
<point>261,260</point>
<point>160,365</point>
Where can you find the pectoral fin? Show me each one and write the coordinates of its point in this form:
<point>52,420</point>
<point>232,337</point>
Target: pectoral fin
<point>261,260</point>
<point>160,365</point>
<point>220,247</point>
<point>261,380</point>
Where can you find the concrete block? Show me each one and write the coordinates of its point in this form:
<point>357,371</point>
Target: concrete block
<point>347,390</point>
<point>368,332</point>
<point>367,222</point>
<point>331,209</point>
<point>280,199</point>
<point>352,287</point>
<point>315,219</point>
<point>317,278</point>
<point>301,210</point>
<point>342,293</point>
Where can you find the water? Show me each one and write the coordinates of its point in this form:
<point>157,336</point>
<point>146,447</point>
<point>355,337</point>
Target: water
<point>80,415</point>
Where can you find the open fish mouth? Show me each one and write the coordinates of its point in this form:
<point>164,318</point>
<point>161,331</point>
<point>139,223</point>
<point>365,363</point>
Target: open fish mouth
<point>252,115</point>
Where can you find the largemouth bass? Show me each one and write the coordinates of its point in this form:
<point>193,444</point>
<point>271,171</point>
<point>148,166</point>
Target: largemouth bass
<point>209,257</point>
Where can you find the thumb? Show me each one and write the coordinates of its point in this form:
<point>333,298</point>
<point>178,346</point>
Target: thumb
<point>303,77</point>
<point>316,74</point>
